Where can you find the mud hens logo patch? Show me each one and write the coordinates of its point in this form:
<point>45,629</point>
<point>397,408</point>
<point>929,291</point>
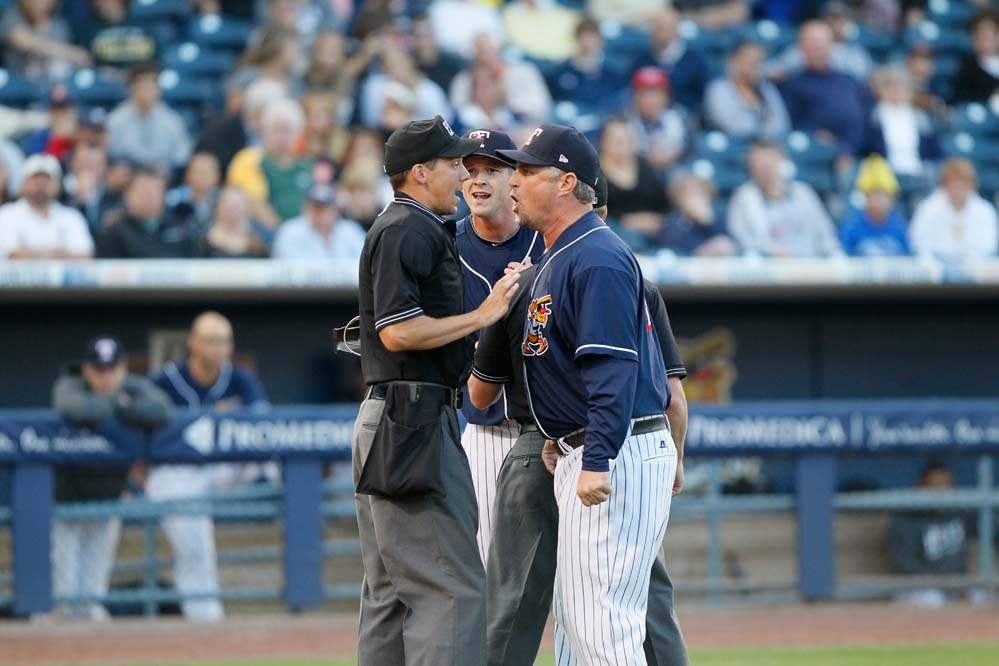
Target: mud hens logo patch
<point>538,314</point>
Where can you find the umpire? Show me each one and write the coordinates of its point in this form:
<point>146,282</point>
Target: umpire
<point>423,594</point>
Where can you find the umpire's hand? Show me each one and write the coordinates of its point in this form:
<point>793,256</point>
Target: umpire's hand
<point>593,487</point>
<point>497,303</point>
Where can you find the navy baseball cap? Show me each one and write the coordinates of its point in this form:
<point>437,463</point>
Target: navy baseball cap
<point>422,140</point>
<point>490,143</point>
<point>322,194</point>
<point>562,147</point>
<point>104,352</point>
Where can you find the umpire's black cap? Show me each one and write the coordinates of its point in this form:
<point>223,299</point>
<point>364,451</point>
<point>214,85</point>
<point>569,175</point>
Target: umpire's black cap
<point>422,140</point>
<point>562,147</point>
<point>490,143</point>
<point>104,352</point>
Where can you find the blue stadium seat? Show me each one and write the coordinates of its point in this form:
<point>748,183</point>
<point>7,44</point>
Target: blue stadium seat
<point>220,32</point>
<point>623,40</point>
<point>975,119</point>
<point>189,59</point>
<point>91,89</point>
<point>154,10</point>
<point>179,91</point>
<point>713,42</point>
<point>879,44</point>
<point>804,149</point>
<point>17,91</point>
<point>977,149</point>
<point>941,38</point>
<point>771,35</point>
<point>719,148</point>
<point>726,177</point>
<point>951,13</point>
<point>820,178</point>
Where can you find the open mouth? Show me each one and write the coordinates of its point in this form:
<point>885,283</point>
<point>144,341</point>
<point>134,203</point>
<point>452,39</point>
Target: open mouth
<point>481,196</point>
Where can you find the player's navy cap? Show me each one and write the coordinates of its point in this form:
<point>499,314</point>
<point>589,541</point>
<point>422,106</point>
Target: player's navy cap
<point>104,352</point>
<point>490,143</point>
<point>422,140</point>
<point>601,189</point>
<point>322,194</point>
<point>562,147</point>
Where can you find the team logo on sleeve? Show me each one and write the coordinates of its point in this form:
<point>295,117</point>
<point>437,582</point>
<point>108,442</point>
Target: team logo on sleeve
<point>538,314</point>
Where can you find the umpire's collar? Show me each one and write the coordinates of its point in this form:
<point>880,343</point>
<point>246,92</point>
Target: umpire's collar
<point>406,200</point>
<point>587,223</point>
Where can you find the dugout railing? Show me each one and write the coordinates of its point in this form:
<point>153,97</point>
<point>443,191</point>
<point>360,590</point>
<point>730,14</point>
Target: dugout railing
<point>308,438</point>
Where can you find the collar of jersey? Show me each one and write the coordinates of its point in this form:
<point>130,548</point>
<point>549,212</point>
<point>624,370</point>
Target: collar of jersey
<point>406,200</point>
<point>465,224</point>
<point>587,222</point>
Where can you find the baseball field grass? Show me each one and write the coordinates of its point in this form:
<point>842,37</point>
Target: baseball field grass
<point>874,655</point>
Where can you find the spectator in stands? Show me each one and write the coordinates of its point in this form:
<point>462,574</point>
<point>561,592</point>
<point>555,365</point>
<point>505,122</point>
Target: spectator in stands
<point>320,233</point>
<point>715,14</point>
<point>273,56</point>
<point>4,190</point>
<point>744,105</point>
<point>306,17</point>
<point>58,138</point>
<point>332,72</point>
<point>37,42</point>
<point>633,13</point>
<point>487,107</point>
<point>227,135</point>
<point>324,137</point>
<point>921,67</point>
<point>474,18</point>
<point>230,234</point>
<point>660,131</point>
<point>541,30</point>
<point>143,128</point>
<point>273,176</point>
<point>929,543</point>
<point>686,67</point>
<point>819,99</point>
<point>206,380</point>
<point>37,226</point>
<point>777,217</point>
<point>363,190</point>
<point>439,66</point>
<point>92,393</point>
<point>845,56</point>
<point>590,78</point>
<point>878,229</point>
<point>194,200</point>
<point>90,129</point>
<point>397,66</point>
<point>399,106</point>
<point>113,40</point>
<point>635,193</point>
<point>900,131</point>
<point>85,187</point>
<point>955,223</point>
<point>525,90</point>
<point>978,75</point>
<point>119,176</point>
<point>694,227</point>
<point>141,229</point>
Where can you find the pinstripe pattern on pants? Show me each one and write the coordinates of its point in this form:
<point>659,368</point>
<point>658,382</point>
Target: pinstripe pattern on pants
<point>605,553</point>
<point>486,448</point>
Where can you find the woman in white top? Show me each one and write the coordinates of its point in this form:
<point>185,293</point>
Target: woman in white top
<point>955,223</point>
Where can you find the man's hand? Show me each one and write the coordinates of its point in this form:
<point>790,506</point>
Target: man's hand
<point>678,481</point>
<point>517,266</point>
<point>550,455</point>
<point>593,487</point>
<point>497,304</point>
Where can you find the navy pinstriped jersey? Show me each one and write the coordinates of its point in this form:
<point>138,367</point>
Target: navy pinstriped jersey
<point>591,355</point>
<point>482,264</point>
<point>234,385</point>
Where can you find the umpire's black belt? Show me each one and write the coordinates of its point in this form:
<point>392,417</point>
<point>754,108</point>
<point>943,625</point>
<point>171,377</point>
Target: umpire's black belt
<point>452,396</point>
<point>639,426</point>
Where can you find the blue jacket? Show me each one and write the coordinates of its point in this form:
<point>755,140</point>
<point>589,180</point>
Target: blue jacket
<point>862,237</point>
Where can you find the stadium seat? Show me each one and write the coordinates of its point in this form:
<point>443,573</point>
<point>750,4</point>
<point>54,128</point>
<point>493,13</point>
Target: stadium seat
<point>976,149</point>
<point>726,177</point>
<point>18,91</point>
<point>717,43</point>
<point>154,10</point>
<point>820,178</point>
<point>941,38</point>
<point>623,40</point>
<point>91,89</point>
<point>950,13</point>
<point>802,148</point>
<point>976,119</point>
<point>220,32</point>
<point>773,36</point>
<point>179,91</point>
<point>719,148</point>
<point>879,44</point>
<point>189,59</point>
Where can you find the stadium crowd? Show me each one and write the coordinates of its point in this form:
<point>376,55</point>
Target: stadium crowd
<point>217,128</point>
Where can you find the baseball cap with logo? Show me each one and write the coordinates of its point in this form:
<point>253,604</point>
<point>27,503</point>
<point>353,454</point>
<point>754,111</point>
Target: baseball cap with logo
<point>422,140</point>
<point>41,163</point>
<point>104,352</point>
<point>562,147</point>
<point>490,143</point>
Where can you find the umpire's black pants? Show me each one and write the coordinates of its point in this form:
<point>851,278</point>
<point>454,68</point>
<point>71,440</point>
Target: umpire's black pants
<point>520,573</point>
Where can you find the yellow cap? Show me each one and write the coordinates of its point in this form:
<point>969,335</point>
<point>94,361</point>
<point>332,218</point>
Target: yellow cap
<point>875,174</point>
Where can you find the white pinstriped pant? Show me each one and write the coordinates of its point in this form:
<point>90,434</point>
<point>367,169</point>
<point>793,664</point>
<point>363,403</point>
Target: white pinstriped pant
<point>486,448</point>
<point>605,553</point>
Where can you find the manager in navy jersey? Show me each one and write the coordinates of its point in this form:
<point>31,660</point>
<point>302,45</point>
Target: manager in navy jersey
<point>520,570</point>
<point>489,239</point>
<point>206,380</point>
<point>596,383</point>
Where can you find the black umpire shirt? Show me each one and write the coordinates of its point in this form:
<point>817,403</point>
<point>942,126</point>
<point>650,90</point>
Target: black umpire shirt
<point>499,359</point>
<point>409,267</point>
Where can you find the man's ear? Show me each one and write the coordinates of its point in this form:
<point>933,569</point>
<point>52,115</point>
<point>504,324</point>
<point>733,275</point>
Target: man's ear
<point>567,184</point>
<point>418,172</point>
